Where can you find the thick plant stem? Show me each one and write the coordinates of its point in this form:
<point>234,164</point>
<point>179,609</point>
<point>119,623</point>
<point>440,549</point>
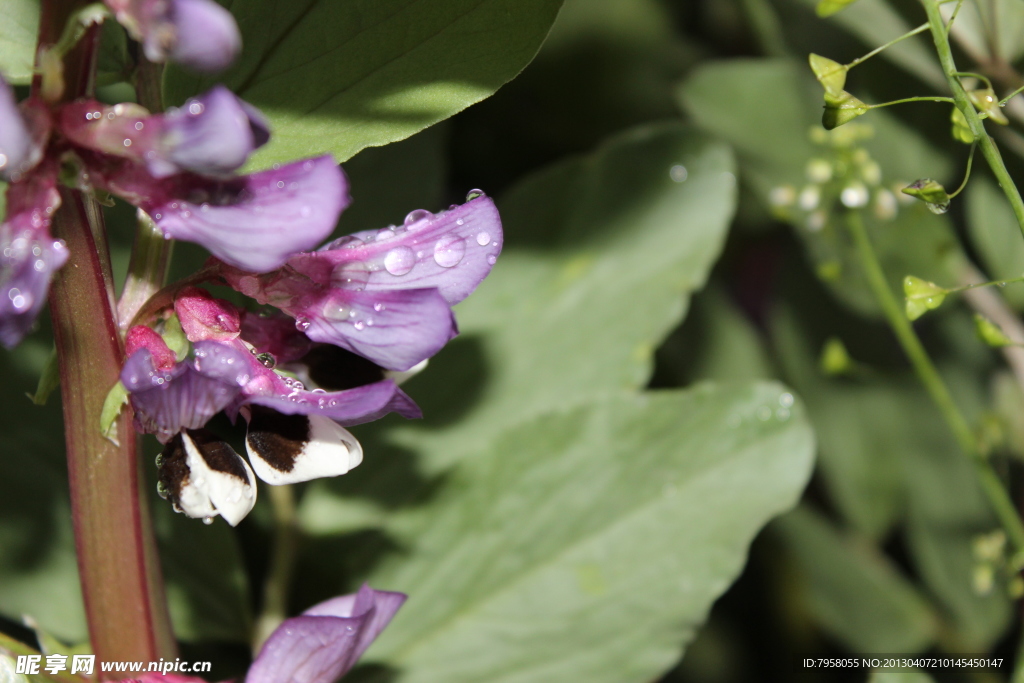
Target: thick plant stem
<point>117,560</point>
<point>940,36</point>
<point>993,488</point>
<point>282,564</point>
<point>118,566</point>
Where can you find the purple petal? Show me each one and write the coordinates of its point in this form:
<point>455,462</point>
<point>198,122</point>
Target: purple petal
<point>348,407</point>
<point>254,222</point>
<point>452,251</point>
<point>276,335</point>
<point>326,641</point>
<point>28,255</point>
<point>394,329</point>
<point>189,394</point>
<point>207,35</point>
<point>213,134</point>
<point>15,141</point>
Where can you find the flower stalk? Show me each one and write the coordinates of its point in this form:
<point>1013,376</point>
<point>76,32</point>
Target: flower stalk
<point>118,566</point>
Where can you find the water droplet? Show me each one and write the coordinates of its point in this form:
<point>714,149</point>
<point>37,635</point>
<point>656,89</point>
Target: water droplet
<point>400,260</point>
<point>449,250</point>
<point>195,108</point>
<point>474,194</point>
<point>139,125</point>
<point>378,307</point>
<point>280,184</point>
<point>159,460</point>
<point>460,222</point>
<point>267,360</point>
<point>336,310</point>
<point>301,324</point>
<point>359,325</point>
<point>127,142</point>
<point>782,414</point>
<point>938,208</point>
<point>235,494</point>
<point>161,490</point>
<point>417,216</point>
<point>39,265</point>
<point>207,521</point>
<point>492,259</point>
<point>350,275</point>
<point>786,400</point>
<point>346,242</point>
<point>678,173</point>
<point>1002,284</point>
<point>483,238</point>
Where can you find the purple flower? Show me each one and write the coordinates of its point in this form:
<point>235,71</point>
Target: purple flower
<point>19,150</point>
<point>28,254</point>
<point>294,434</point>
<point>324,643</point>
<point>197,33</point>
<point>210,135</point>
<point>386,294</point>
<point>319,646</point>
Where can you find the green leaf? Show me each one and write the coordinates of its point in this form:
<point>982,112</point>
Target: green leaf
<point>587,242</point>
<point>989,332</point>
<point>560,547</point>
<point>841,108</point>
<point>336,77</point>
<point>853,590</point>
<point>930,192</point>
<point>829,7</point>
<point>18,33</point>
<point>48,380</point>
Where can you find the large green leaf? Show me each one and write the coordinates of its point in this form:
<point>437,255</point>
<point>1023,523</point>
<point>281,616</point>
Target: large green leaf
<point>340,76</point>
<point>18,32</point>
<point>589,543</point>
<point>853,590</point>
<point>600,255</point>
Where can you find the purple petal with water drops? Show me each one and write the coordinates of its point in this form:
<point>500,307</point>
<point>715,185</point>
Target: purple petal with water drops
<point>28,254</point>
<point>189,394</point>
<point>394,329</point>
<point>213,134</point>
<point>453,251</point>
<point>348,407</point>
<point>253,222</point>
<point>327,640</point>
<point>275,334</point>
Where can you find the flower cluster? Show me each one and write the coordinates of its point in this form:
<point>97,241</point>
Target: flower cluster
<point>354,317</point>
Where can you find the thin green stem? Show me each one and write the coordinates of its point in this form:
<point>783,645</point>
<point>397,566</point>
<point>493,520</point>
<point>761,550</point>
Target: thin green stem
<point>972,74</point>
<point>956,11</point>
<point>282,564</point>
<point>940,35</point>
<point>927,98</point>
<point>913,32</point>
<point>1002,102</point>
<point>993,488</point>
<point>967,173</point>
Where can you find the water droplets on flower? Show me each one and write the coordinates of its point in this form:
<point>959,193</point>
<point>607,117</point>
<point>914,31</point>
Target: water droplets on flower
<point>449,250</point>
<point>350,275</point>
<point>417,216</point>
<point>336,310</point>
<point>400,260</point>
<point>483,239</point>
<point>474,194</point>
<point>678,173</point>
<point>301,324</point>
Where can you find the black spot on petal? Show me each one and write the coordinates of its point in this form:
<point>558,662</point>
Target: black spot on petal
<point>173,471</point>
<point>219,456</point>
<point>277,438</point>
<point>335,369</point>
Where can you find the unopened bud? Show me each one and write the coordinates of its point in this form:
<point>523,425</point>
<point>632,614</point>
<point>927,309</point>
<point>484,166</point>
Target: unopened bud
<point>930,192</point>
<point>990,332</point>
<point>834,358</point>
<point>831,74</point>
<point>840,109</point>
<point>961,131</point>
<point>987,102</point>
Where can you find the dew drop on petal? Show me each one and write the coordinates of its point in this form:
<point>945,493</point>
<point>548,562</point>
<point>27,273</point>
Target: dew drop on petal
<point>335,310</point>
<point>350,275</point>
<point>483,238</point>
<point>400,260</point>
<point>301,324</point>
<point>492,259</point>
<point>474,194</point>
<point>417,216</point>
<point>378,307</point>
<point>449,250</point>
<point>207,521</point>
<point>359,325</point>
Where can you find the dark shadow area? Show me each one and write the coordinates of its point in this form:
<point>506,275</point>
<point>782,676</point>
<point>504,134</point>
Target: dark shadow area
<point>332,566</point>
<point>452,382</point>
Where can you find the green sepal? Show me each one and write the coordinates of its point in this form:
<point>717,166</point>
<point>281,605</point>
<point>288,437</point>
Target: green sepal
<point>827,8</point>
<point>986,101</point>
<point>175,337</point>
<point>831,74</point>
<point>840,109</point>
<point>48,381</point>
<point>930,192</point>
<point>989,332</point>
<point>961,131</point>
<point>835,360</point>
<point>116,399</point>
<point>922,296</point>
